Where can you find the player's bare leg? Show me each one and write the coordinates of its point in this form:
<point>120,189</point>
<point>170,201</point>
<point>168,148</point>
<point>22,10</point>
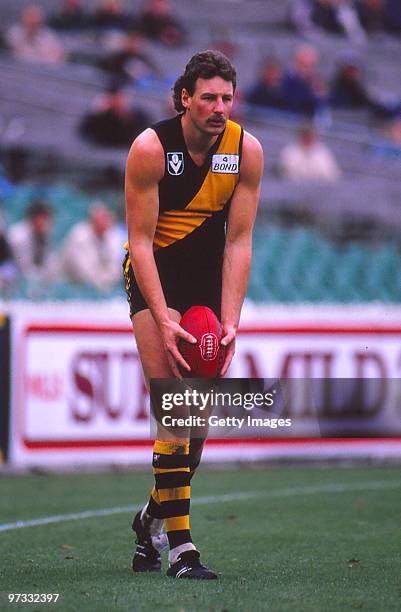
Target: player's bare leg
<point>170,498</point>
<point>151,352</point>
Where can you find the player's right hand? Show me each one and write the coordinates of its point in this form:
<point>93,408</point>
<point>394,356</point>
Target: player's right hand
<point>171,332</point>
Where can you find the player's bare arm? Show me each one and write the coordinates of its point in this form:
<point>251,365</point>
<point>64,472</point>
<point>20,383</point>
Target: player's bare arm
<point>145,167</point>
<point>238,248</point>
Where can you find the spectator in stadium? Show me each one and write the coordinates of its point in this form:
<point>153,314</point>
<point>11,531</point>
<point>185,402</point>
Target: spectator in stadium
<point>159,23</point>
<point>325,15</point>
<point>32,42</point>
<point>374,17</point>
<point>110,15</point>
<point>347,87</point>
<point>333,16</point>
<point>70,16</point>
<point>91,252</point>
<point>130,63</point>
<point>31,243</point>
<point>113,122</point>
<point>308,159</point>
<point>303,89</point>
<point>349,91</point>
<point>267,90</point>
<point>337,17</point>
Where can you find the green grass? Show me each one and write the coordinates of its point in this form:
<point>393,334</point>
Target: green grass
<point>317,549</point>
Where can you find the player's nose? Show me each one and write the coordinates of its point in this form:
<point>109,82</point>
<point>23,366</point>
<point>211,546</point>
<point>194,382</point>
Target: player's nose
<point>219,107</point>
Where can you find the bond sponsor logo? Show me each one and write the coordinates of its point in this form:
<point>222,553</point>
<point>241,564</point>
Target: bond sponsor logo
<point>175,163</point>
<point>225,164</point>
<point>209,346</point>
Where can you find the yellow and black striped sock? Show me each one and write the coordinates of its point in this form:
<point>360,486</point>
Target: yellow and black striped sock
<point>172,476</point>
<point>195,452</point>
<point>153,506</point>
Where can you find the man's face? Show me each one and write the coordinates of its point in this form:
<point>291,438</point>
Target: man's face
<point>308,138</point>
<point>101,221</point>
<point>32,18</point>
<point>42,223</point>
<point>306,59</point>
<point>272,74</point>
<point>210,105</point>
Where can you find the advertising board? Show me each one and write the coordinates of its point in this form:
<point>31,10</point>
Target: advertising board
<point>79,394</point>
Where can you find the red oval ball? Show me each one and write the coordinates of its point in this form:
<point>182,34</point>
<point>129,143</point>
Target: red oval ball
<point>206,357</point>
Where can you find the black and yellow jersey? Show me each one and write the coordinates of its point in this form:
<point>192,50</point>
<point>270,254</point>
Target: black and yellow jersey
<point>194,202</point>
<point>190,195</point>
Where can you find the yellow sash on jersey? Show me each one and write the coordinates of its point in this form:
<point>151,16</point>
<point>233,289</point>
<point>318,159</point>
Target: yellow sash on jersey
<point>214,193</point>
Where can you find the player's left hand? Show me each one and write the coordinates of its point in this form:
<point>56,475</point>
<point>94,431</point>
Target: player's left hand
<point>228,340</point>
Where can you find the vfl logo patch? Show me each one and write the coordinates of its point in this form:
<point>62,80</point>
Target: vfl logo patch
<point>225,164</point>
<point>175,163</point>
<point>209,345</point>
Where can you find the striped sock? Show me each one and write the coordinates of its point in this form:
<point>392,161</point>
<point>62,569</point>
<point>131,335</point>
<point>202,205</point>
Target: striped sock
<point>172,476</point>
<point>153,506</point>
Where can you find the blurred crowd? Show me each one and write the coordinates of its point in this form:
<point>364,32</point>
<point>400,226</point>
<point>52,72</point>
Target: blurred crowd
<point>298,86</point>
<point>354,19</point>
<point>121,51</point>
<point>113,120</point>
<point>36,36</point>
<point>90,254</point>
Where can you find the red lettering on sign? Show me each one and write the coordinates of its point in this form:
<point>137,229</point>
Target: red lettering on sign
<point>318,364</point>
<point>46,387</point>
<point>252,367</point>
<point>369,363</point>
<point>109,384</point>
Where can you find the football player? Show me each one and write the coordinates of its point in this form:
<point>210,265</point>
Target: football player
<point>192,188</point>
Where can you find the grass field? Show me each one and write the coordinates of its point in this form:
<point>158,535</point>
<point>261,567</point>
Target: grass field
<point>280,538</point>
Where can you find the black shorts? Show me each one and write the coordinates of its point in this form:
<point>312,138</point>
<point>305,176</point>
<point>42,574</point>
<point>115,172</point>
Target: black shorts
<point>184,285</point>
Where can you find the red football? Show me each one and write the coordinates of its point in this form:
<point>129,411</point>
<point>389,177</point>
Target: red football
<point>206,357</point>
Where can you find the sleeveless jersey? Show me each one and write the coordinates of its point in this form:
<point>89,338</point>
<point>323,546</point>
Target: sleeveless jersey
<point>193,198</point>
<point>190,235</point>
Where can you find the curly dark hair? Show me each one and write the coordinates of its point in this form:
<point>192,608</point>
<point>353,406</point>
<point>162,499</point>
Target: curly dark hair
<point>204,65</point>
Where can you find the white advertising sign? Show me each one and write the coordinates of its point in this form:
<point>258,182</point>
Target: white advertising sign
<point>79,394</point>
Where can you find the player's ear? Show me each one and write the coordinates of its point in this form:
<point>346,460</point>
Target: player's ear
<point>184,98</point>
